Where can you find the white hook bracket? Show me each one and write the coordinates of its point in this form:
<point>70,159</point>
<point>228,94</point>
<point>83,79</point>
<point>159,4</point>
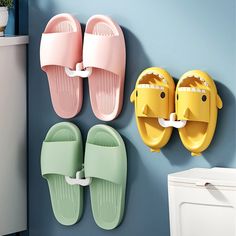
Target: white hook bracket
<point>202,184</point>
<point>79,179</point>
<point>172,122</point>
<point>79,71</point>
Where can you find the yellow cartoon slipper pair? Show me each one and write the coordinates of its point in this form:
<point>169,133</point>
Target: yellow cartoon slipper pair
<point>192,108</point>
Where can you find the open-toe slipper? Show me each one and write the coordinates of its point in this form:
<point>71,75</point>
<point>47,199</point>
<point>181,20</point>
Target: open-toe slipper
<point>61,47</point>
<point>62,155</point>
<point>106,163</point>
<point>153,98</point>
<point>104,52</point>
<point>197,102</point>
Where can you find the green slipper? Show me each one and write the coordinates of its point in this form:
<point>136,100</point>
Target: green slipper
<point>106,163</point>
<point>62,155</point>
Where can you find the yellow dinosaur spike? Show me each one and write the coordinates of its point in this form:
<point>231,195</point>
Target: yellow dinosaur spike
<point>145,110</point>
<point>219,102</point>
<point>186,113</point>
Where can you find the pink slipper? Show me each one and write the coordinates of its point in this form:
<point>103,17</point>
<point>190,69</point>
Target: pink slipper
<point>61,47</point>
<point>104,52</point>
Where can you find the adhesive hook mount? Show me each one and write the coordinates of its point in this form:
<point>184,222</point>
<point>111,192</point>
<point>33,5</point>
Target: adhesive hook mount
<point>79,71</point>
<point>79,179</point>
<point>172,122</point>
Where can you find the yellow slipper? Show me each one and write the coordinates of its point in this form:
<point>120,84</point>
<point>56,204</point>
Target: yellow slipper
<point>197,102</point>
<point>153,98</point>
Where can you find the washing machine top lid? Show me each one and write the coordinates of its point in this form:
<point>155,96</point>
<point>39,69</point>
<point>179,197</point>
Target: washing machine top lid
<point>202,177</point>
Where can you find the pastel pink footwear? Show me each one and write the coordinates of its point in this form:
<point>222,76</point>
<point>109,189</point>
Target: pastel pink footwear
<point>104,52</point>
<point>61,47</point>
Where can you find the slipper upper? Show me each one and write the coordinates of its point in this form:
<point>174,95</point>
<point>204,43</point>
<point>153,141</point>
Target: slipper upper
<point>61,48</point>
<point>60,158</point>
<point>104,51</point>
<point>104,163</point>
<point>193,104</point>
<point>155,89</point>
<point>152,101</point>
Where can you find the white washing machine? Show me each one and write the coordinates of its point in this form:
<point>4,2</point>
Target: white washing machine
<point>202,202</point>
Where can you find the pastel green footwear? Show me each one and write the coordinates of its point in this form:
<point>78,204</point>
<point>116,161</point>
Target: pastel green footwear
<point>106,164</point>
<point>62,155</point>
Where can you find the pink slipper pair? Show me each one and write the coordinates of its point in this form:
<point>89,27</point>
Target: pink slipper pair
<point>66,61</point>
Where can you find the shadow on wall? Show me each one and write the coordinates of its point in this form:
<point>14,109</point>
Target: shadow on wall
<point>175,152</point>
<point>134,48</point>
<point>139,176</point>
<point>221,152</point>
<point>39,205</point>
<point>132,155</point>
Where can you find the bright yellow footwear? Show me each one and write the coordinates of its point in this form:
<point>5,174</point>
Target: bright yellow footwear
<point>153,98</point>
<point>197,102</point>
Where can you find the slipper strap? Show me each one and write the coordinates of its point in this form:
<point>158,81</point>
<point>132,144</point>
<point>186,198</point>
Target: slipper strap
<point>104,163</point>
<point>193,105</point>
<point>60,158</point>
<point>152,102</point>
<point>60,49</point>
<point>104,52</point>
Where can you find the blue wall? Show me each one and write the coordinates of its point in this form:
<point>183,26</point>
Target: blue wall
<point>176,35</point>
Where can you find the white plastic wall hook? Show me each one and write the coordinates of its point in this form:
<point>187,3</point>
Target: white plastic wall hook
<point>79,71</point>
<point>79,179</point>
<point>172,122</point>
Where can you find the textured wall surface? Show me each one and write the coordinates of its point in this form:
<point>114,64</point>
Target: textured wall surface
<point>176,35</point>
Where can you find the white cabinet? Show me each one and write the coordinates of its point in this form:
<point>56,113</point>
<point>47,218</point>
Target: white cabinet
<point>13,165</point>
<point>202,202</point>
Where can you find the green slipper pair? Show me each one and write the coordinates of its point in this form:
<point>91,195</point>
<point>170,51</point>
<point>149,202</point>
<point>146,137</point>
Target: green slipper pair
<point>104,162</point>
